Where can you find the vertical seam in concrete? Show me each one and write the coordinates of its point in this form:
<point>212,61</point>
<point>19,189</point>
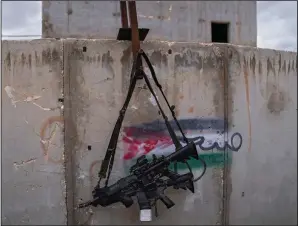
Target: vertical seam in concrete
<point>226,170</point>
<point>43,30</point>
<point>68,150</point>
<point>67,10</point>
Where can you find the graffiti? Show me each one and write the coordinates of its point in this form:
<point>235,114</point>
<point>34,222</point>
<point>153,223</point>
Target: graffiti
<point>147,137</point>
<point>153,138</point>
<point>91,169</point>
<point>215,145</point>
<point>55,121</point>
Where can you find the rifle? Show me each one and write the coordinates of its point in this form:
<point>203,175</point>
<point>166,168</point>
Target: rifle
<point>145,181</point>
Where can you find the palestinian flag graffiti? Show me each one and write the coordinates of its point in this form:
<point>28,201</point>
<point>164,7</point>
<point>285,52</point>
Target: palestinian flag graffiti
<point>153,138</point>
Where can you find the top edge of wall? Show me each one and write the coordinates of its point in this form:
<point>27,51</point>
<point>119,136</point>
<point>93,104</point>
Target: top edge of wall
<point>168,43</point>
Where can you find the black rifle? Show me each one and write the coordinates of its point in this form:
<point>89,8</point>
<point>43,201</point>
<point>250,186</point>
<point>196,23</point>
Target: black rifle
<point>146,183</point>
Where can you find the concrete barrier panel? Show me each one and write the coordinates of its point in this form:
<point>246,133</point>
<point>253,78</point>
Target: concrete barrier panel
<point>263,175</point>
<point>79,86</point>
<point>99,76</point>
<point>93,99</point>
<point>33,184</point>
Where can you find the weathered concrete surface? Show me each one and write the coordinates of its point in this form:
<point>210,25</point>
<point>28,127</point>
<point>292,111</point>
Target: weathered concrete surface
<point>253,90</point>
<point>184,21</point>
<point>33,189</point>
<point>99,79</point>
<point>195,80</point>
<point>264,173</point>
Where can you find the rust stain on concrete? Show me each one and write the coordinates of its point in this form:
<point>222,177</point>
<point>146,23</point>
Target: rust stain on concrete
<point>46,56</point>
<point>8,60</point>
<point>91,167</point>
<point>223,89</point>
<point>279,63</point>
<point>270,67</point>
<point>49,56</point>
<point>98,59</point>
<point>30,60</point>
<point>189,59</point>
<point>246,80</point>
<point>55,55</point>
<point>260,67</point>
<point>284,67</point>
<point>107,62</point>
<point>23,59</point>
<point>260,72</point>
<point>253,65</point>
<point>276,102</point>
<point>46,142</point>
<point>157,58</point>
<point>125,68</point>
<point>218,97</point>
<point>191,109</point>
<point>37,60</point>
<point>218,83</point>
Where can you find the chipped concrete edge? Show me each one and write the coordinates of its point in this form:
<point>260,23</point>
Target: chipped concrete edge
<point>166,43</point>
<point>68,134</point>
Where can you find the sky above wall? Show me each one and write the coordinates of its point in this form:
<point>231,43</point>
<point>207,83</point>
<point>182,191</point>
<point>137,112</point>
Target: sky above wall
<point>276,21</point>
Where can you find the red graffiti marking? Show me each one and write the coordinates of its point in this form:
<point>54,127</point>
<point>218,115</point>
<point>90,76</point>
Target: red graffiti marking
<point>136,146</point>
<point>91,167</point>
<point>45,142</point>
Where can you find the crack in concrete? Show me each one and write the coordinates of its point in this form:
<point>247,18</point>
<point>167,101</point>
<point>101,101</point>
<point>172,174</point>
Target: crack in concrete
<point>10,93</point>
<point>23,163</point>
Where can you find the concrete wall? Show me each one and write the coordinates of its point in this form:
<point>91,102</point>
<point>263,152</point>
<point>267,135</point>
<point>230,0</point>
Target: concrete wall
<point>263,176</point>
<point>187,21</point>
<point>253,90</point>
<point>33,178</point>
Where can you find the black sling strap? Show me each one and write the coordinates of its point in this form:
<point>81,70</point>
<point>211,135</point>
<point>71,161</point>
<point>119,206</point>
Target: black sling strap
<point>136,73</point>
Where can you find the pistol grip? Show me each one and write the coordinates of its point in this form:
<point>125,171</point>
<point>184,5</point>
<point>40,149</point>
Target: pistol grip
<point>126,201</point>
<point>166,200</point>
